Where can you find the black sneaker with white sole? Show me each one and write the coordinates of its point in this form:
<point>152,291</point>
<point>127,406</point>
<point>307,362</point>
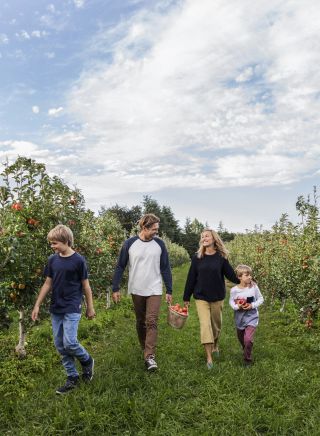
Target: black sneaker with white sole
<point>71,383</point>
<point>87,370</point>
<point>150,363</point>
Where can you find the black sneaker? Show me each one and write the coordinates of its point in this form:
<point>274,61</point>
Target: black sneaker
<point>70,384</point>
<point>87,370</point>
<point>150,363</point>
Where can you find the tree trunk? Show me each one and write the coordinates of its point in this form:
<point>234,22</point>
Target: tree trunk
<point>283,305</point>
<point>108,297</point>
<point>20,348</point>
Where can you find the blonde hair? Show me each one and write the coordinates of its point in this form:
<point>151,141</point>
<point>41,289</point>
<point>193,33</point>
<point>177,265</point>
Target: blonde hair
<point>217,244</point>
<point>148,220</point>
<point>61,233</point>
<point>242,269</point>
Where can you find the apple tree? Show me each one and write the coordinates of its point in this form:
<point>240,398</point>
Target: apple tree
<point>31,203</point>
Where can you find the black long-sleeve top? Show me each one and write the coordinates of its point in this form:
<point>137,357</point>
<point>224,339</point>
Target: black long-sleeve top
<point>206,278</point>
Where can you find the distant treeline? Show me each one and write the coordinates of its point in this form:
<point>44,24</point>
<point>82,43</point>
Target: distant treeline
<point>187,236</point>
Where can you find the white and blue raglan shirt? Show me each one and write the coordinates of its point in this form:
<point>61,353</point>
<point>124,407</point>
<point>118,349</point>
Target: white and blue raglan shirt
<point>148,264</point>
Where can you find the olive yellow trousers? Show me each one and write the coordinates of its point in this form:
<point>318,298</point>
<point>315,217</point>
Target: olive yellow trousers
<point>210,318</point>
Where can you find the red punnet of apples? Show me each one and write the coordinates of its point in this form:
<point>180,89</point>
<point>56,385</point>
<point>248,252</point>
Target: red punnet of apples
<point>178,309</point>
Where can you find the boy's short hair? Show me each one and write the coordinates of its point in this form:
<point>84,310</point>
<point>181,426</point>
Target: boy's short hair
<point>148,220</point>
<point>241,269</point>
<point>61,233</point>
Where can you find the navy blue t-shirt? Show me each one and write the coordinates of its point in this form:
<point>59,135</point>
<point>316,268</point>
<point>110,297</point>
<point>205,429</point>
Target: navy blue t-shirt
<point>67,274</point>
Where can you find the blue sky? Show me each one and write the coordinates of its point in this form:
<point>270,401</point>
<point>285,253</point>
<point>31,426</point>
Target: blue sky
<point>210,107</point>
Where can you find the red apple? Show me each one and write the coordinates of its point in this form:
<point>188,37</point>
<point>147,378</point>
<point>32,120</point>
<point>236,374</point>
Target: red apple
<point>17,206</point>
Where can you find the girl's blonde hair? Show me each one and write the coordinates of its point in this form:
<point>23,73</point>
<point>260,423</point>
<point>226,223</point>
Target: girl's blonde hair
<point>61,233</point>
<point>241,269</point>
<point>217,245</point>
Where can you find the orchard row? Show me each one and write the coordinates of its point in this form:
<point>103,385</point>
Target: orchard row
<point>286,261</point>
<point>32,203</point>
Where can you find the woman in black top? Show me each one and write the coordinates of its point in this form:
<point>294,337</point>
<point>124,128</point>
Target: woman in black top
<point>205,281</point>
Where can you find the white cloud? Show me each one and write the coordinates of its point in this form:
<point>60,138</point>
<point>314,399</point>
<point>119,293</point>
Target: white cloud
<point>18,54</point>
<point>51,8</point>
<point>50,55</point>
<point>58,161</point>
<point>12,149</point>
<point>36,33</point>
<point>35,109</point>
<point>79,3</point>
<point>22,35</point>
<point>72,138</point>
<point>207,95</point>
<point>4,38</point>
<point>202,81</point>
<point>39,33</point>
<point>55,20</point>
<point>246,75</point>
<point>55,112</point>
<point>252,170</point>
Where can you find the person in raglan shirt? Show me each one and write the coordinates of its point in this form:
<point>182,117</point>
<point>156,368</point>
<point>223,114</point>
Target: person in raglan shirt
<point>148,262</point>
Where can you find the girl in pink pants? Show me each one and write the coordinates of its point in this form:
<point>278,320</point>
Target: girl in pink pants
<point>245,299</point>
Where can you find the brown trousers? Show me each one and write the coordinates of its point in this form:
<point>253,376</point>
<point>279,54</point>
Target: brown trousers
<point>147,313</point>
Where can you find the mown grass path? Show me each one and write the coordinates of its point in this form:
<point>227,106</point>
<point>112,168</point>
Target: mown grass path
<point>279,395</point>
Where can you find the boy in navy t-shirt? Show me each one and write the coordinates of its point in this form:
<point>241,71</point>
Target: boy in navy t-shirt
<point>67,277</point>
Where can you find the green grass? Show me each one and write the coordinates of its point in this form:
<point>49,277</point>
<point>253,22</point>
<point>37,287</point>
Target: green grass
<point>279,395</point>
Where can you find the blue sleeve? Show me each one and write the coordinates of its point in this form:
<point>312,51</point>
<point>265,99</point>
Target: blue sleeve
<point>47,272</point>
<point>121,266</point>
<point>83,269</point>
<point>165,268</point>
<point>228,272</point>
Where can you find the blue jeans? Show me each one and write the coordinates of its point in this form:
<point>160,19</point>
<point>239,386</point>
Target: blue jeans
<point>65,329</point>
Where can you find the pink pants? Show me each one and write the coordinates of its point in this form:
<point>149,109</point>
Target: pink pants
<point>246,340</point>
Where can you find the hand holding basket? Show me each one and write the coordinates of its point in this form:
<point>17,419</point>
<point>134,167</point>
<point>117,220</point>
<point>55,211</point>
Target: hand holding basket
<point>177,316</point>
